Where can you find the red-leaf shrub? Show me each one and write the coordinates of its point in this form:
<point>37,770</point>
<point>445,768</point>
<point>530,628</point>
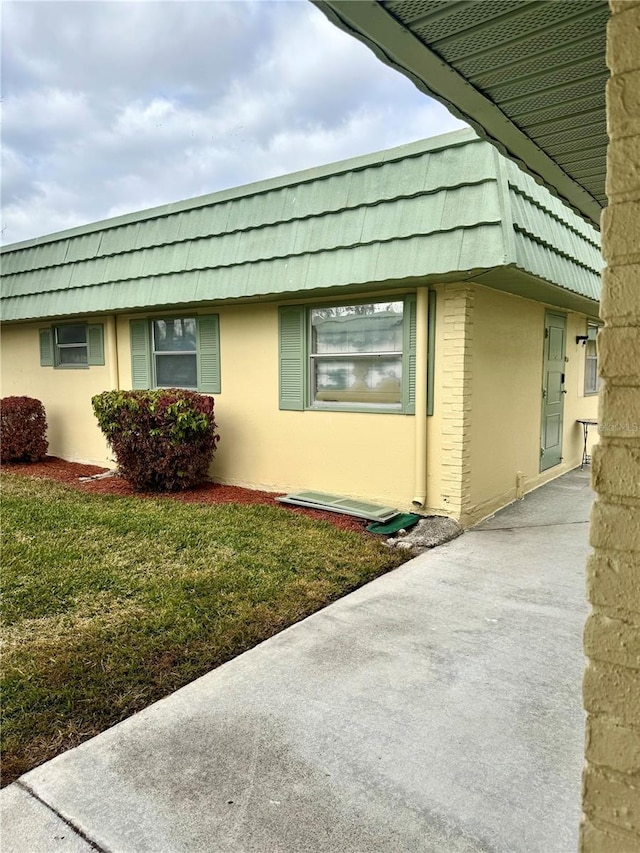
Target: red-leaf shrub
<point>163,440</point>
<point>23,427</point>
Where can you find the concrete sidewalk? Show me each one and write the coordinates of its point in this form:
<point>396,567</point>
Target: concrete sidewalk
<point>436,710</point>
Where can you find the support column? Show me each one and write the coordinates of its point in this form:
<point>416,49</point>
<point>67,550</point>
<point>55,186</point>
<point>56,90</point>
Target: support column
<point>611,783</point>
<point>456,400</point>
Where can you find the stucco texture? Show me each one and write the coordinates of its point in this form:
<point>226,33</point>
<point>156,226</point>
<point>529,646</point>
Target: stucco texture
<point>363,455</point>
<point>66,394</point>
<point>506,399</point>
<point>483,435</point>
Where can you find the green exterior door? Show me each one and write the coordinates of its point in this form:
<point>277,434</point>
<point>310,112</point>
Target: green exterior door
<point>553,378</point>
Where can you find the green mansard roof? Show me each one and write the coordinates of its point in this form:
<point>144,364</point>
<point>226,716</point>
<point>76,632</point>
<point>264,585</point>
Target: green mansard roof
<point>448,208</point>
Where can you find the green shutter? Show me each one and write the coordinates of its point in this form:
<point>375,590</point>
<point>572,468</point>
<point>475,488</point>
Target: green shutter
<point>409,376</point>
<point>95,344</point>
<point>140,355</point>
<point>209,354</point>
<point>46,347</point>
<point>291,357</point>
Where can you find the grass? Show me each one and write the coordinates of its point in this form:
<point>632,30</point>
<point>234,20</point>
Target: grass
<point>110,603</point>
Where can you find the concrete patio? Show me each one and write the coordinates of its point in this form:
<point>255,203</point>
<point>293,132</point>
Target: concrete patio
<point>436,710</point>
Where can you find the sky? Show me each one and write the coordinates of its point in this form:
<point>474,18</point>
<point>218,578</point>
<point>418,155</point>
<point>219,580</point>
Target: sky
<point>113,107</point>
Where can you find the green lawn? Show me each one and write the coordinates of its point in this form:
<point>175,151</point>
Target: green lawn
<point>110,603</point>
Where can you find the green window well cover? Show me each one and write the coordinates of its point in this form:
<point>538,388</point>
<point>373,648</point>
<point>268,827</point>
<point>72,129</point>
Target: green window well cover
<point>336,503</point>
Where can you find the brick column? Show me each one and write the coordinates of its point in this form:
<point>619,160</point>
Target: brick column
<point>456,399</point>
<point>611,784</point>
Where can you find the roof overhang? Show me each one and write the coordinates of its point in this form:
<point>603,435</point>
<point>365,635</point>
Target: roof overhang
<point>507,279</point>
<point>528,76</point>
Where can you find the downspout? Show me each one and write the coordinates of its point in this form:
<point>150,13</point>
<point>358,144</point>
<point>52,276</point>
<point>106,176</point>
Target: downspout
<point>114,373</point>
<point>422,326</point>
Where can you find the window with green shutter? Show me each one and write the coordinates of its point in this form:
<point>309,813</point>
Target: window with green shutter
<point>176,352</point>
<point>72,345</point>
<point>349,357</point>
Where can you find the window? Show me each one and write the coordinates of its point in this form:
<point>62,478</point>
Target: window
<point>591,378</point>
<point>72,346</point>
<point>356,354</point>
<point>359,356</point>
<point>176,352</point>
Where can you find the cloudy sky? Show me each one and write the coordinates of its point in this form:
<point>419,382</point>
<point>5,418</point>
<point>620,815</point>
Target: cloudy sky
<point>110,107</point>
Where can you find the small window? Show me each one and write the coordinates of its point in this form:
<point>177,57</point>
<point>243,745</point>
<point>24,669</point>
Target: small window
<point>175,353</point>
<point>356,355</point>
<point>591,378</point>
<point>71,346</point>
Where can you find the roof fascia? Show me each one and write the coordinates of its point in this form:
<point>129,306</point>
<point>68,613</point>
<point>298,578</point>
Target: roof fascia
<point>396,46</point>
<point>508,279</point>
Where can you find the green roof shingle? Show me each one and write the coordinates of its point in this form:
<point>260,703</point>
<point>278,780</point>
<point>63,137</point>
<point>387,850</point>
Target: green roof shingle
<point>440,208</point>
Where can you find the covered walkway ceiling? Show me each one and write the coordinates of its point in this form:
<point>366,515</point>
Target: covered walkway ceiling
<point>529,76</point>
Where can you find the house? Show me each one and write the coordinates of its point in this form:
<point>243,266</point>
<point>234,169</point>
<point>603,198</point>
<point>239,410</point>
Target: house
<point>413,327</point>
<point>534,79</point>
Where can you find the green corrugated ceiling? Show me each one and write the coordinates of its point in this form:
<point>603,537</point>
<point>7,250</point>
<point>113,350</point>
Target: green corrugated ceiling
<point>447,208</point>
<point>529,76</point>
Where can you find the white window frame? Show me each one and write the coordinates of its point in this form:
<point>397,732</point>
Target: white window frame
<point>207,352</point>
<point>155,353</point>
<point>58,347</point>
<point>591,357</point>
<point>314,357</point>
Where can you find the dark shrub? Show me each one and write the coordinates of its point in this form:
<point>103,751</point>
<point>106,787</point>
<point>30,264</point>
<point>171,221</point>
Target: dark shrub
<point>163,440</point>
<point>23,427</point>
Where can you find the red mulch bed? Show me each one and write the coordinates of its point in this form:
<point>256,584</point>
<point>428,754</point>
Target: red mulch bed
<point>208,493</point>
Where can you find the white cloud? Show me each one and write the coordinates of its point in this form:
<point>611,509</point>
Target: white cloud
<point>45,110</point>
<point>48,207</point>
<point>114,107</point>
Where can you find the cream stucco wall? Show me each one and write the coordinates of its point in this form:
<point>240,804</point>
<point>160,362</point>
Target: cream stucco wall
<point>487,378</point>
<point>65,393</point>
<point>364,455</point>
<point>506,402</point>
